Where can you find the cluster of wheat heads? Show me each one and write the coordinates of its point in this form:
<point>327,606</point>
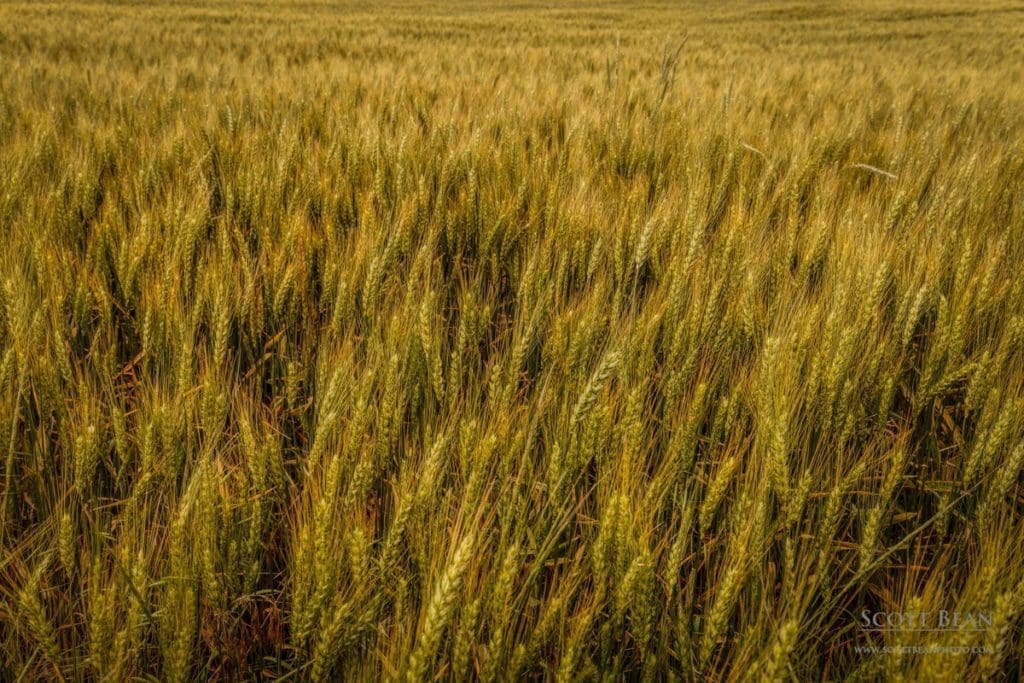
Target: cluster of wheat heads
<point>583,343</point>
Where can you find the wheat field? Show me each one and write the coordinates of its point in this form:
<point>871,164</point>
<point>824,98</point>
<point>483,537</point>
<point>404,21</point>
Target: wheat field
<point>568,341</point>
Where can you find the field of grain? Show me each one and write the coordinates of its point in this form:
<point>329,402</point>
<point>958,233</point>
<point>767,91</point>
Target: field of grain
<point>550,340</point>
